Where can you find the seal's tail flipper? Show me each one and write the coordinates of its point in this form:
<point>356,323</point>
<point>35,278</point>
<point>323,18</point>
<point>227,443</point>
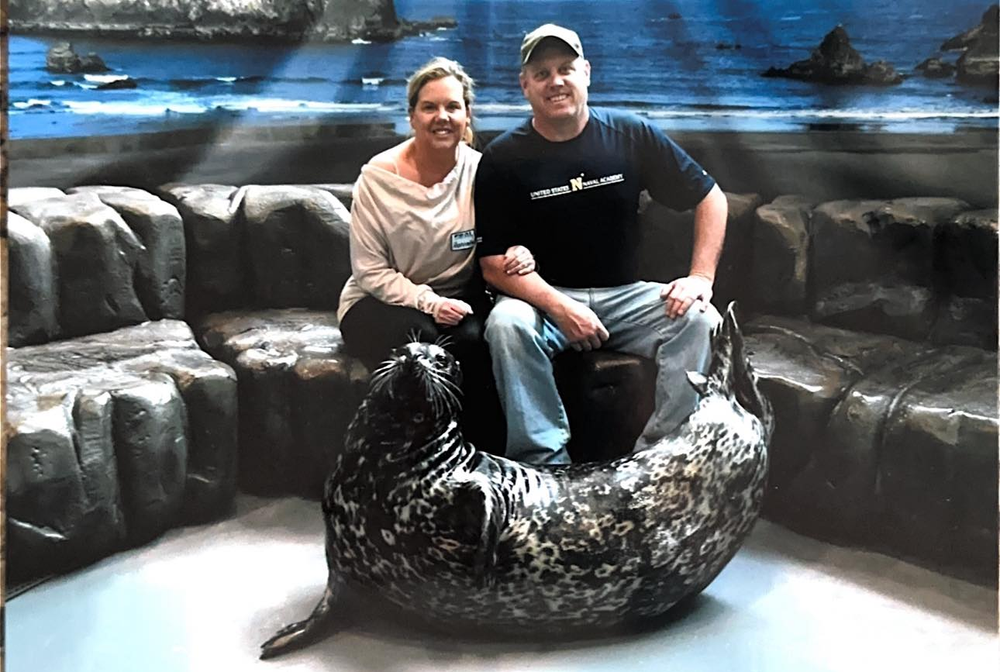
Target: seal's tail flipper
<point>740,377</point>
<point>725,340</point>
<point>303,633</point>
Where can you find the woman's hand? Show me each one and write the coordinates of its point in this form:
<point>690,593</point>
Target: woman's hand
<point>451,311</point>
<point>518,260</point>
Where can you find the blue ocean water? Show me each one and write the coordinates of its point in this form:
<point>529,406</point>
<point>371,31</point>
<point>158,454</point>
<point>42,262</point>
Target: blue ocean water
<point>684,72</point>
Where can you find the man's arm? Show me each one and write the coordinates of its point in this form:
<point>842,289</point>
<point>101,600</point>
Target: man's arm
<point>579,323</point>
<point>709,235</point>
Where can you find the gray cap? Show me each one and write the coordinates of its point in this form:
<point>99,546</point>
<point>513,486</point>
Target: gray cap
<point>535,37</point>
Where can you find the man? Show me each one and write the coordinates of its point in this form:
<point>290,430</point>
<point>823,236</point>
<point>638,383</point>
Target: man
<point>566,185</point>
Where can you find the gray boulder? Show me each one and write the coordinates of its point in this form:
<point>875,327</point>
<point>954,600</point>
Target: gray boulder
<point>96,255</point>
<point>937,467</point>
<point>882,442</point>
<point>806,370</point>
<point>297,393</point>
<point>963,320</point>
<point>343,192</point>
<point>162,266</point>
<point>114,438</point>
<point>888,286</point>
<point>23,195</point>
<point>214,239</point>
<point>966,249</point>
<point>779,268</point>
<point>297,240</point>
<point>904,310</point>
<point>32,300</point>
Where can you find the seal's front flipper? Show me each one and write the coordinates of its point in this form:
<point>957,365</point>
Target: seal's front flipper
<point>302,633</point>
<point>480,509</point>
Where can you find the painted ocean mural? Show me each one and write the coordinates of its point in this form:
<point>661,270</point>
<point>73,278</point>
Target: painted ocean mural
<point>689,64</point>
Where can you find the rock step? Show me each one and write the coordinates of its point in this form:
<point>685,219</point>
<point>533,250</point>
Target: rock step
<point>257,269</point>
<point>924,269</point>
<point>263,246</point>
<point>114,438</point>
<point>93,260</point>
<point>882,442</point>
<point>297,393</point>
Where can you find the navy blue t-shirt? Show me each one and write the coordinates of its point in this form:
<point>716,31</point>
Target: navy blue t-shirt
<point>574,204</point>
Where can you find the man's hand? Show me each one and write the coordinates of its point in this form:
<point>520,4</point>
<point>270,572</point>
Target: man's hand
<point>451,312</point>
<point>682,293</point>
<point>518,260</point>
<point>580,324</point>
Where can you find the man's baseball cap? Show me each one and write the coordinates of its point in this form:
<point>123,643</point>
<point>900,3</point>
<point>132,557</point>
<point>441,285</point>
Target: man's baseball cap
<point>535,37</point>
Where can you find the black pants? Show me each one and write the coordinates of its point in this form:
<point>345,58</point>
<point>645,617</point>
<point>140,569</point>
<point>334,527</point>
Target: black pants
<point>371,329</point>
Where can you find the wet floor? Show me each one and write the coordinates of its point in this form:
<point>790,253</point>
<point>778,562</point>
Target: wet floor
<point>203,598</point>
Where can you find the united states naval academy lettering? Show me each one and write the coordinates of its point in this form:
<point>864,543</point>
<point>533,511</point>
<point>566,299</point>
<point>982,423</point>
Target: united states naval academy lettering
<point>577,184</point>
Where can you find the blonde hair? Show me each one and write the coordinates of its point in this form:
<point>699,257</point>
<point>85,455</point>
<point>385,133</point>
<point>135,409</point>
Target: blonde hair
<point>439,68</point>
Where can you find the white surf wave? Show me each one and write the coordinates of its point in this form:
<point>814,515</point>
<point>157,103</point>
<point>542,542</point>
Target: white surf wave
<point>30,103</point>
<point>152,108</point>
<point>104,79</point>
<point>286,105</point>
<point>841,115</point>
<point>502,108</point>
<point>133,109</point>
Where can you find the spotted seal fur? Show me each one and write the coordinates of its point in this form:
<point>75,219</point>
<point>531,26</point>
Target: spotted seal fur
<point>418,516</point>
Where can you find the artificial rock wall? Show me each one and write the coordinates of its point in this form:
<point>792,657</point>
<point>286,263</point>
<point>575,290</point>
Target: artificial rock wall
<point>873,330</point>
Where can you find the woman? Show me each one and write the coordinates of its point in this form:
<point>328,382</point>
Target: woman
<point>412,246</point>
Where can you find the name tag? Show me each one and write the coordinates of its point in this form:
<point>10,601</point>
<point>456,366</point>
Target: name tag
<point>463,240</point>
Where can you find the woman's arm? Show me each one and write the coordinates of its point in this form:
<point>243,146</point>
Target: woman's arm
<point>370,259</point>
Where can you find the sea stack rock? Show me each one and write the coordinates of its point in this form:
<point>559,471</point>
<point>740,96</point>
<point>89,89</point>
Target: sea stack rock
<point>835,61</point>
<point>61,59</point>
<point>980,62</point>
<point>935,68</point>
<point>283,20</point>
<point>987,27</point>
<point>126,83</point>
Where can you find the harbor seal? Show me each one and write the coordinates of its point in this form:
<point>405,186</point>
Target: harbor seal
<point>418,517</point>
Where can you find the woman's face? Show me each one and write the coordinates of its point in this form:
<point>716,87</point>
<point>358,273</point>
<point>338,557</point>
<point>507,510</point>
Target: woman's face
<point>440,117</point>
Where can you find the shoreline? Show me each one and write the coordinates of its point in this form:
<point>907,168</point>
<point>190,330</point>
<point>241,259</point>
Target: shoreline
<point>827,164</point>
<point>33,126</point>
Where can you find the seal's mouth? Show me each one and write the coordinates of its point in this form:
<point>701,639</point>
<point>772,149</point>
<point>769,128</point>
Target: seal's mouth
<point>420,378</point>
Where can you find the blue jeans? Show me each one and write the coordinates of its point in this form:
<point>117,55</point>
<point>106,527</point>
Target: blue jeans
<point>523,341</point>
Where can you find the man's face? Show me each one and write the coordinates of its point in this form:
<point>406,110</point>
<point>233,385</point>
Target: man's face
<point>555,82</point>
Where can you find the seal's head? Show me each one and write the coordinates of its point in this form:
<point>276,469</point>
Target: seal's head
<point>419,382</point>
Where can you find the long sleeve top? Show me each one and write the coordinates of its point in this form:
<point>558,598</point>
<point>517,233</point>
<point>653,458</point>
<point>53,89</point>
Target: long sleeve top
<point>412,245</point>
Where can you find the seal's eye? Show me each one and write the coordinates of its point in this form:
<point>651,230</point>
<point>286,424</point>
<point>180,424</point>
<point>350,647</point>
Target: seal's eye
<point>440,357</point>
<point>419,417</point>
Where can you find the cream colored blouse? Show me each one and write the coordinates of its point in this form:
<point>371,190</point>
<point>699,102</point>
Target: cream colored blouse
<point>411,245</point>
